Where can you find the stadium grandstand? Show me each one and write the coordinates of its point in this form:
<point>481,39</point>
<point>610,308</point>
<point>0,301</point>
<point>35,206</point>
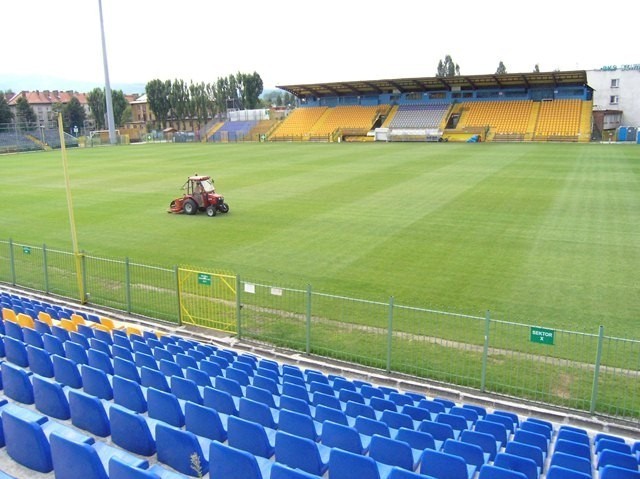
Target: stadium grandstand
<point>554,106</point>
<point>94,394</point>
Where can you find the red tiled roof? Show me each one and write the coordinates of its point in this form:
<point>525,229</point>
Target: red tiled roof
<point>48,97</point>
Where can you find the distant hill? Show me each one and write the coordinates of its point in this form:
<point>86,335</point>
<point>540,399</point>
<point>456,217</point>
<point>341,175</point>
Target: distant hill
<point>18,83</point>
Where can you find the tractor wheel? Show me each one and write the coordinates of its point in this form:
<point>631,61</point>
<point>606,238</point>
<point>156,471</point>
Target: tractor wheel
<point>224,208</point>
<point>211,211</point>
<point>190,207</point>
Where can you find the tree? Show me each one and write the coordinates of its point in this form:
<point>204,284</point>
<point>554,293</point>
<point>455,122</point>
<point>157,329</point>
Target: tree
<point>6,115</point>
<point>120,108</point>
<point>447,68</point>
<point>158,97</point>
<point>24,113</point>
<point>73,114</point>
<point>251,88</point>
<point>501,69</point>
<point>536,68</point>
<point>98,107</point>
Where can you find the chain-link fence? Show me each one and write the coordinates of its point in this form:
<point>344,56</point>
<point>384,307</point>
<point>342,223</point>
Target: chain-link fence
<point>588,372</point>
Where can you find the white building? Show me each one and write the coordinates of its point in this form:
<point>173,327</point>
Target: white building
<point>617,92</point>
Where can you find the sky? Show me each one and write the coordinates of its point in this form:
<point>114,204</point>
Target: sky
<point>57,43</point>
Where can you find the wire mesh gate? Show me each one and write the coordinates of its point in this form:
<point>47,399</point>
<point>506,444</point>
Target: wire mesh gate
<point>208,299</point>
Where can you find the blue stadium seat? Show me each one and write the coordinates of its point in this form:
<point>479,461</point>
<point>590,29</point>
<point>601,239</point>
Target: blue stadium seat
<point>15,351</point>
<point>316,387</point>
<point>342,437</point>
<point>513,416</point>
<point>176,449</point>
<point>206,422</point>
<point>50,399</point>
<point>280,471</point>
<point>573,435</point>
<point>164,407</point>
<point>537,427</point>
<point>613,445</point>
<point>380,404</point>
<point>185,361</point>
<point>229,385</point>
<point>573,448</point>
<point>142,359</point>
<point>393,452</point>
<point>396,420</point>
<point>25,434</point>
<point>325,413</point>
<point>126,369</point>
<point>469,414</point>
<point>221,401</point>
<point>347,465</point>
<point>347,395</point>
<point>295,404</point>
<point>228,462</point>
<point>17,383</point>
<point>440,431</point>
<point>141,347</point>
<point>88,413</point>
<point>130,431</point>
<point>558,472</point>
<point>341,383</point>
<point>237,375</point>
<point>432,406</point>
<point>615,472</point>
<point>103,336</point>
<point>356,409</point>
<point>609,457</point>
<point>473,455</point>
<point>301,453</point>
<point>119,469</point>
<point>444,466</point>
<point>320,398</point>
<point>122,342</point>
<point>151,378</point>
<point>507,422</point>
<point>299,424</point>
<point>39,361</point>
<point>493,472</point>
<point>53,345</point>
<point>185,389</point>
<point>401,400</point>
<point>100,360</point>
<point>251,437</point>
<point>486,441</point>
<point>129,394</point>
<point>76,353</point>
<point>296,391</point>
<point>76,455</point>
<point>33,338</point>
<point>261,395</point>
<point>417,413</point>
<point>199,377</point>
<point>42,328</point>
<point>13,330</point>
<point>79,339</point>
<point>66,372</point>
<point>258,412</point>
<point>368,427</point>
<point>497,430</point>
<point>532,438</point>
<point>210,368</point>
<point>516,463</point>
<point>526,450</point>
<point>416,439</point>
<point>161,353</point>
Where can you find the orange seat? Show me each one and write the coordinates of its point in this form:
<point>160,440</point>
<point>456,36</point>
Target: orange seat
<point>25,321</point>
<point>68,325</point>
<point>77,319</point>
<point>9,314</point>
<point>45,318</point>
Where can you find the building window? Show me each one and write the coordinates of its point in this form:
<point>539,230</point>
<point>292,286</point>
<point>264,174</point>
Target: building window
<point>615,83</point>
<point>613,99</point>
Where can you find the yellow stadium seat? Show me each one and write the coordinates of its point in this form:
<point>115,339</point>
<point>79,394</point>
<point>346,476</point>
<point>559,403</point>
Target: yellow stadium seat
<point>77,319</point>
<point>25,321</point>
<point>131,330</point>
<point>9,314</point>
<point>45,318</point>
<point>68,325</point>
<point>110,324</point>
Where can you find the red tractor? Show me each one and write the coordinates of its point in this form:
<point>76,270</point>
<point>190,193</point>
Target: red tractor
<point>200,195</point>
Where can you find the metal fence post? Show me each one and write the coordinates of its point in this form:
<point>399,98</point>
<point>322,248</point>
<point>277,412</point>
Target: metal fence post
<point>12,263</point>
<point>45,268</point>
<point>389,334</point>
<point>127,285</point>
<point>485,351</point>
<point>238,306</point>
<point>308,320</point>
<point>84,294</point>
<point>177,276</point>
<point>596,371</point>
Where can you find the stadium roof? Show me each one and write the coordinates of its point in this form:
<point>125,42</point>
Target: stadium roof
<point>462,82</point>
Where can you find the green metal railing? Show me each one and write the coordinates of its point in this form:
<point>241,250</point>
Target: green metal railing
<point>587,372</point>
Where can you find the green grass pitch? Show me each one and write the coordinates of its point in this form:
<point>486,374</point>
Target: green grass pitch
<point>544,234</point>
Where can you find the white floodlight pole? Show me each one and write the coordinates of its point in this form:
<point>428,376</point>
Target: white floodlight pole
<point>107,85</point>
